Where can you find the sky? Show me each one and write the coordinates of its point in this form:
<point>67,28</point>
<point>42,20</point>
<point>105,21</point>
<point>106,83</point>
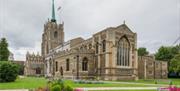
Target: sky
<point>156,22</point>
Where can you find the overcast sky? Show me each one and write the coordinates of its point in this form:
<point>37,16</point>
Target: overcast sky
<point>157,22</point>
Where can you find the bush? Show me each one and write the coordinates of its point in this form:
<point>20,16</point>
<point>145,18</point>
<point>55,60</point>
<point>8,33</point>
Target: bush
<point>56,88</point>
<point>59,85</point>
<point>8,71</point>
<point>68,88</point>
<point>170,82</point>
<point>155,82</point>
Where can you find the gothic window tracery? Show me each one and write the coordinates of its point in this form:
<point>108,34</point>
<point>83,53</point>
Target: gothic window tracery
<point>55,34</point>
<point>67,64</point>
<point>104,45</point>
<point>85,64</point>
<point>97,47</point>
<point>56,66</point>
<point>90,46</point>
<point>123,52</point>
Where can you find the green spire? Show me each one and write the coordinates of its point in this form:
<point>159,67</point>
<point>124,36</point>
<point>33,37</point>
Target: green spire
<point>53,19</point>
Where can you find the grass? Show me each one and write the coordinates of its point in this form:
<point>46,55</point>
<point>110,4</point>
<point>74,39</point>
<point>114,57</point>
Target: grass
<point>103,85</point>
<point>34,82</point>
<point>24,83</point>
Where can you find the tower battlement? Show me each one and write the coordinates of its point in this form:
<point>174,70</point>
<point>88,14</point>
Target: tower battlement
<point>53,34</point>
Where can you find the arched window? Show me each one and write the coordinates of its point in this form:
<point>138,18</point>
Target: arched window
<point>85,64</point>
<point>56,66</point>
<point>38,70</point>
<point>61,71</point>
<point>104,45</point>
<point>90,46</point>
<point>85,47</point>
<point>97,47</point>
<point>67,64</point>
<point>81,48</point>
<point>47,49</point>
<point>55,34</point>
<point>123,52</point>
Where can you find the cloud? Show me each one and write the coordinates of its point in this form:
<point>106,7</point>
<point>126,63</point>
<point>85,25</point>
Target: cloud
<point>156,22</point>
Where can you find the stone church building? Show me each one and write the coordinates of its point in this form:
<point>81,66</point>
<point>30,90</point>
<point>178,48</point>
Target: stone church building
<point>110,54</point>
<point>34,65</point>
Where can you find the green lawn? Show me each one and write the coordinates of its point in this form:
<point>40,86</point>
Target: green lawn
<point>103,85</point>
<point>24,83</point>
<point>34,82</point>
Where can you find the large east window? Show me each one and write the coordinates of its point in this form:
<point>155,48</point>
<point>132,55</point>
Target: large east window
<point>123,52</point>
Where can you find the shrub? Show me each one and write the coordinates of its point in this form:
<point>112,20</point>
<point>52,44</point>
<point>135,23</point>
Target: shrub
<point>56,88</point>
<point>170,82</point>
<point>59,85</point>
<point>8,71</point>
<point>68,88</point>
<point>155,82</point>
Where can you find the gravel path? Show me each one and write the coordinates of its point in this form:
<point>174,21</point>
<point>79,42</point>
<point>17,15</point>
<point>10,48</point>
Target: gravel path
<point>16,90</point>
<point>119,88</point>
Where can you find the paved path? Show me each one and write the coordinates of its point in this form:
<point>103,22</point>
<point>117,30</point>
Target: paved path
<point>16,90</point>
<point>147,84</point>
<point>119,88</point>
<point>135,83</point>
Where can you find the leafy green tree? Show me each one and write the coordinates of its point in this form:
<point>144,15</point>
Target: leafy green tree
<point>8,71</point>
<point>177,48</point>
<point>4,52</point>
<point>167,53</point>
<point>142,51</point>
<point>164,53</point>
<point>175,64</point>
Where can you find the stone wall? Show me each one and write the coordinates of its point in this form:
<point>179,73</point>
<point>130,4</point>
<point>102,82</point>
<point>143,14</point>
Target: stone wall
<point>34,65</point>
<point>149,68</point>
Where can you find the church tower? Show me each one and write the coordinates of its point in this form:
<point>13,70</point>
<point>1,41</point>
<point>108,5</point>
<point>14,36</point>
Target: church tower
<point>53,34</point>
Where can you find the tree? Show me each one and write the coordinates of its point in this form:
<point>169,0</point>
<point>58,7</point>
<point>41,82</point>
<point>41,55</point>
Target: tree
<point>164,53</point>
<point>177,48</point>
<point>175,64</point>
<point>142,51</point>
<point>4,52</point>
<point>167,53</point>
<point>8,71</point>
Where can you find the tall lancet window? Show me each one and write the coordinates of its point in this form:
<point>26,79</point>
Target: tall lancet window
<point>55,34</point>
<point>85,64</point>
<point>104,45</point>
<point>123,52</point>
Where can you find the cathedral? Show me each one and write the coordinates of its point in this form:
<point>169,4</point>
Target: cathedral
<point>110,54</point>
